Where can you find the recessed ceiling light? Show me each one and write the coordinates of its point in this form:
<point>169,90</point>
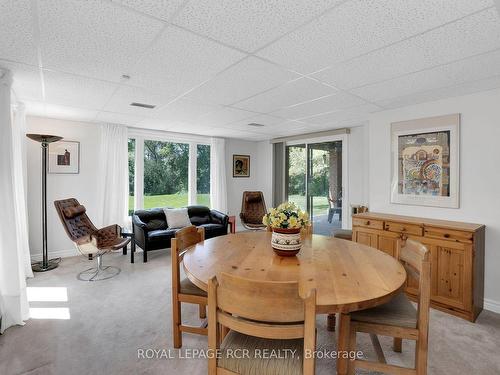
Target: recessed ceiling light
<point>125,76</point>
<point>142,105</point>
<point>256,125</point>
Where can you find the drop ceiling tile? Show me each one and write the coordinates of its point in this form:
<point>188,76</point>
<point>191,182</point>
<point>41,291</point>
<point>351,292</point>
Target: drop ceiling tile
<point>223,116</point>
<point>125,95</point>
<point>71,90</point>
<point>471,69</point>
<point>466,88</point>
<point>118,118</point>
<point>354,114</point>
<point>246,78</point>
<point>93,38</point>
<point>248,25</point>
<point>184,110</point>
<point>16,28</point>
<point>472,35</point>
<point>269,122</point>
<point>359,26</point>
<point>330,103</point>
<point>159,9</point>
<point>26,81</point>
<point>298,91</point>
<point>179,60</point>
<point>69,113</point>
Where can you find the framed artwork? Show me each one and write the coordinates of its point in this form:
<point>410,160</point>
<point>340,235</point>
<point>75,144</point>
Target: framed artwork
<point>64,157</point>
<point>425,161</point>
<point>241,165</point>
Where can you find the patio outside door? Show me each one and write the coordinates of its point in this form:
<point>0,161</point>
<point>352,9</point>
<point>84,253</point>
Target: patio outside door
<point>314,182</point>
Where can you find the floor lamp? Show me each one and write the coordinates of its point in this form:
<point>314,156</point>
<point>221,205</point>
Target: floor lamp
<point>46,264</point>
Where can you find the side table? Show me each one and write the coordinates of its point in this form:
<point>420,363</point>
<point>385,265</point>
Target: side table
<point>132,245</point>
<point>232,224</point>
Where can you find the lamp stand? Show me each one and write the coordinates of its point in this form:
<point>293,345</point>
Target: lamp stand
<point>45,264</point>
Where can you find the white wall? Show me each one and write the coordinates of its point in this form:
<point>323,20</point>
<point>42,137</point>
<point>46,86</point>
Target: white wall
<point>479,171</point>
<point>83,186</point>
<point>258,168</point>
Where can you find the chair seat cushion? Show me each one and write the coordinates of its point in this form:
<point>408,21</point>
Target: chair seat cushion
<point>187,287</point>
<point>398,312</point>
<point>344,234</point>
<point>290,362</point>
<point>162,234</point>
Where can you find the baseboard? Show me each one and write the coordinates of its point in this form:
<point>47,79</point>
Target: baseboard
<point>56,254</point>
<point>491,305</point>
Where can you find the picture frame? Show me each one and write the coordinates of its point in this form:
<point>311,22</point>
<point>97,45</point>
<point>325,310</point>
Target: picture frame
<point>64,157</point>
<point>241,166</point>
<point>425,161</point>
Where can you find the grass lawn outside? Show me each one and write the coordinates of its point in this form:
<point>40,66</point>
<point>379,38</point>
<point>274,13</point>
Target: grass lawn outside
<point>169,200</point>
<point>320,204</point>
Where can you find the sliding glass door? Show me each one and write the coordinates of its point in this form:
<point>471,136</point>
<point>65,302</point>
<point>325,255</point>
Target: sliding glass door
<point>314,181</point>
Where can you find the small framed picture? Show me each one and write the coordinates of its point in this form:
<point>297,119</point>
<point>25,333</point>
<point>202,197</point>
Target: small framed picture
<point>241,165</point>
<point>64,157</point>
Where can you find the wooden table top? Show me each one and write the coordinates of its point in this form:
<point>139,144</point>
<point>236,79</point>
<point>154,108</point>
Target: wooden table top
<point>347,276</point>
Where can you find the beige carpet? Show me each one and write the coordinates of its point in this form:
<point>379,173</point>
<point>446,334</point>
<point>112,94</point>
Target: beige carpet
<point>110,320</point>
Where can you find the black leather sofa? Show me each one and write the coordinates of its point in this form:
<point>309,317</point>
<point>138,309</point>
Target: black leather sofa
<point>151,229</point>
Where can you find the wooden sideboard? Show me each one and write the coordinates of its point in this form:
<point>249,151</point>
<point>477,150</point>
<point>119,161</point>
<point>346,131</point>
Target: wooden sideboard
<point>457,256</point>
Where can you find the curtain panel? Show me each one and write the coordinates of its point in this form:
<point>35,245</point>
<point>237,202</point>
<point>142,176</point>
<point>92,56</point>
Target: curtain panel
<point>114,175</point>
<point>14,250</point>
<point>218,189</point>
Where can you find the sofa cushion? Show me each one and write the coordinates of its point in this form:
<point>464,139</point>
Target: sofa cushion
<point>177,218</point>
<point>199,215</point>
<point>154,218</point>
<point>162,234</point>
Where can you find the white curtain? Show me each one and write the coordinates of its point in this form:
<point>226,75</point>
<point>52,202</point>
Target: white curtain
<point>218,191</point>
<point>14,251</point>
<point>114,175</point>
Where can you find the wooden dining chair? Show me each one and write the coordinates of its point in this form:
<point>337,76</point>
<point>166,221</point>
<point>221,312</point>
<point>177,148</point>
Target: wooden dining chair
<point>398,318</point>
<point>260,315</point>
<point>184,290</point>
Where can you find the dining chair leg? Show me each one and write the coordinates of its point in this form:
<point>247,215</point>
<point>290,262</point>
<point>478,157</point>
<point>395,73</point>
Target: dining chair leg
<point>351,367</point>
<point>202,312</point>
<point>397,344</point>
<point>176,319</point>
<point>331,320</point>
<point>343,343</point>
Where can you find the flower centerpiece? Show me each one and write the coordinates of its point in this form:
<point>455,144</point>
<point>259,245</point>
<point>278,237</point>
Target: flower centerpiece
<point>286,221</point>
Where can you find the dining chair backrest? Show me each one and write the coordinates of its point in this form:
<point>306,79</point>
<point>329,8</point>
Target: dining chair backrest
<point>183,239</point>
<point>269,310</point>
<point>415,257</point>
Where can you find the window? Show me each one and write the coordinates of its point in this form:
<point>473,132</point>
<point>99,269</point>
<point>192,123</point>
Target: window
<point>203,175</point>
<point>131,175</point>
<point>166,174</point>
<point>159,174</point>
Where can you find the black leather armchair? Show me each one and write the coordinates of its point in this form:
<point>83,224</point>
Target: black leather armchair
<point>151,230</point>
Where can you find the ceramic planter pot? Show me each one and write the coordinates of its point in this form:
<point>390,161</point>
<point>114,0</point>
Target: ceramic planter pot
<point>286,242</point>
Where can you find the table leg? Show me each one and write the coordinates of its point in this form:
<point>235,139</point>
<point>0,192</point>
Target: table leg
<point>330,322</point>
<point>343,343</point>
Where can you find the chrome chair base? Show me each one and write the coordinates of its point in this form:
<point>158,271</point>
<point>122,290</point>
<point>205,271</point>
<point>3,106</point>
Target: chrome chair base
<point>98,273</point>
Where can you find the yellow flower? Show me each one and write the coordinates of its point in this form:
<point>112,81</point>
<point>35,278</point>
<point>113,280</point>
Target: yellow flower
<point>293,222</point>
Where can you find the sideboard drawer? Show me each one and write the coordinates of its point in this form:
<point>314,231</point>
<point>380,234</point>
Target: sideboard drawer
<point>448,234</point>
<point>415,230</point>
<point>368,223</point>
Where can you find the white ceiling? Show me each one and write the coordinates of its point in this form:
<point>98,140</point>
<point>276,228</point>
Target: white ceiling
<point>211,67</point>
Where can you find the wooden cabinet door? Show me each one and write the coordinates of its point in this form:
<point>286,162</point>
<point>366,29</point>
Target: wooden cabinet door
<point>388,244</point>
<point>451,282</point>
<point>365,238</point>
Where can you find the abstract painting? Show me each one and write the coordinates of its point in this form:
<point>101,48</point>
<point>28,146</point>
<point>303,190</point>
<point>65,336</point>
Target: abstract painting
<point>425,161</point>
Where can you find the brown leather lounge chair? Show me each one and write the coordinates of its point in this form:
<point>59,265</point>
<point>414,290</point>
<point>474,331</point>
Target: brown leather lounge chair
<point>89,240</point>
<point>253,209</point>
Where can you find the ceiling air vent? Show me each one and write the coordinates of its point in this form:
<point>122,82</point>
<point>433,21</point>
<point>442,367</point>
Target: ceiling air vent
<point>142,105</point>
<point>256,125</point>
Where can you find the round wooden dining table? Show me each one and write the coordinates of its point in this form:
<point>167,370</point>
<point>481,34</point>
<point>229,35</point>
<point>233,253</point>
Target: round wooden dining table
<point>347,276</point>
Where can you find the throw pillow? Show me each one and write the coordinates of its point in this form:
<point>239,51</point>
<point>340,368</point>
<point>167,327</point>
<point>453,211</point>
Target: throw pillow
<point>177,217</point>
